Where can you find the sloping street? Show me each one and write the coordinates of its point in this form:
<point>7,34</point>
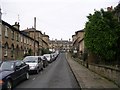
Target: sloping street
<point>57,75</point>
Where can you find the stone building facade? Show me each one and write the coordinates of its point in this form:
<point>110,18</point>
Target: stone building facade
<point>60,45</point>
<point>45,40</point>
<point>15,44</point>
<point>38,36</point>
<point>78,42</point>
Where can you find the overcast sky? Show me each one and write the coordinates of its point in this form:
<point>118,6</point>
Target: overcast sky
<point>57,18</point>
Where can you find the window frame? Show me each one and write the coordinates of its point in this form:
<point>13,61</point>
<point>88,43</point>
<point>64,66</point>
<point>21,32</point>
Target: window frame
<point>6,31</point>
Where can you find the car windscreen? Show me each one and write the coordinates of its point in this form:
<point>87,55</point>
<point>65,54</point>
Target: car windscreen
<point>7,66</point>
<point>47,56</point>
<point>30,59</point>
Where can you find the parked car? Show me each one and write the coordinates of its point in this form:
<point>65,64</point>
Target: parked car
<point>54,56</point>
<point>49,57</point>
<point>35,63</point>
<point>45,62</point>
<point>12,72</point>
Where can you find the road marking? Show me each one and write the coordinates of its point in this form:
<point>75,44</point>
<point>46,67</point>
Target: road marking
<point>33,78</point>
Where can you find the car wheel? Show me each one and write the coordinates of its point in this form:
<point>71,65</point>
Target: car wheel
<point>42,69</point>
<point>27,76</point>
<point>37,71</point>
<point>44,66</point>
<point>9,85</point>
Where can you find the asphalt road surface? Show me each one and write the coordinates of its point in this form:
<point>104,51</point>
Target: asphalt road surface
<point>57,75</point>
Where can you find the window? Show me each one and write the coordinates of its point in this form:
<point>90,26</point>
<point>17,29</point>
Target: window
<point>12,34</point>
<point>19,63</point>
<point>17,36</point>
<point>12,51</point>
<point>24,40</point>
<point>21,38</point>
<point>0,29</point>
<point>6,50</point>
<point>24,50</point>
<point>7,66</point>
<point>6,31</point>
<point>27,40</point>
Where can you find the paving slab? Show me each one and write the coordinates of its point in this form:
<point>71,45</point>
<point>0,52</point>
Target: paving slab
<point>88,79</point>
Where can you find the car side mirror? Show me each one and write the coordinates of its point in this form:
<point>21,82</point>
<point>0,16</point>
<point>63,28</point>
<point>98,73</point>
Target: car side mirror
<point>17,67</point>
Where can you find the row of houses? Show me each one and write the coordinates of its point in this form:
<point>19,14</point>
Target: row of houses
<point>60,45</point>
<point>16,43</point>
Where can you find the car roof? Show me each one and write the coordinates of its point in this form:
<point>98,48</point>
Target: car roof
<point>11,60</point>
<point>46,54</point>
<point>31,56</point>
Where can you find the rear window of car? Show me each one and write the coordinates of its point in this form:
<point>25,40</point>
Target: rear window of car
<point>47,55</point>
<point>30,59</point>
<point>7,66</point>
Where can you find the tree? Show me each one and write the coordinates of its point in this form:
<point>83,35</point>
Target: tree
<point>45,51</point>
<point>102,33</point>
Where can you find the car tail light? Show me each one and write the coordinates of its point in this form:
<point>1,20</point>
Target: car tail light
<point>1,82</point>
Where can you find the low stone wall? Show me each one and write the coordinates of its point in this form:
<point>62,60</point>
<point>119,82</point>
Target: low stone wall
<point>112,74</point>
<point>107,72</point>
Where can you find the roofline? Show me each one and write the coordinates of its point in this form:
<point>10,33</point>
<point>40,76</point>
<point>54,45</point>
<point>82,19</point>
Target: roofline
<point>5,23</point>
<point>79,31</point>
<point>32,30</point>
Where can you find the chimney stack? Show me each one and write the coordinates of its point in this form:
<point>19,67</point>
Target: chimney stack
<point>35,22</point>
<point>16,25</point>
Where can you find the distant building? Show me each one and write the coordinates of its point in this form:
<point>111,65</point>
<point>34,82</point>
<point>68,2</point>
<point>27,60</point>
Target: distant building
<point>37,35</point>
<point>110,8</point>
<point>61,45</point>
<point>117,11</point>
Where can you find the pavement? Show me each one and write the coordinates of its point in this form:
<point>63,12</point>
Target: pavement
<point>88,79</point>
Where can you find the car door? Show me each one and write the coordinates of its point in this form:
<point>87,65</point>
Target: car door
<point>16,73</point>
<point>19,70</point>
<point>40,62</point>
<point>23,68</point>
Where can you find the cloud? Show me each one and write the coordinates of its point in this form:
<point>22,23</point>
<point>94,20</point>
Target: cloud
<point>58,18</point>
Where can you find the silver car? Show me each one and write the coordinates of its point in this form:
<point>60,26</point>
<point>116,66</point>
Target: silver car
<point>35,63</point>
<point>49,57</point>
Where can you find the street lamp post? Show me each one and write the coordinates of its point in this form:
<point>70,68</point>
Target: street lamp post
<point>0,34</point>
<point>34,34</point>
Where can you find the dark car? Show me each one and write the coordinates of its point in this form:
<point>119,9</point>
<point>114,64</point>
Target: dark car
<point>12,72</point>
